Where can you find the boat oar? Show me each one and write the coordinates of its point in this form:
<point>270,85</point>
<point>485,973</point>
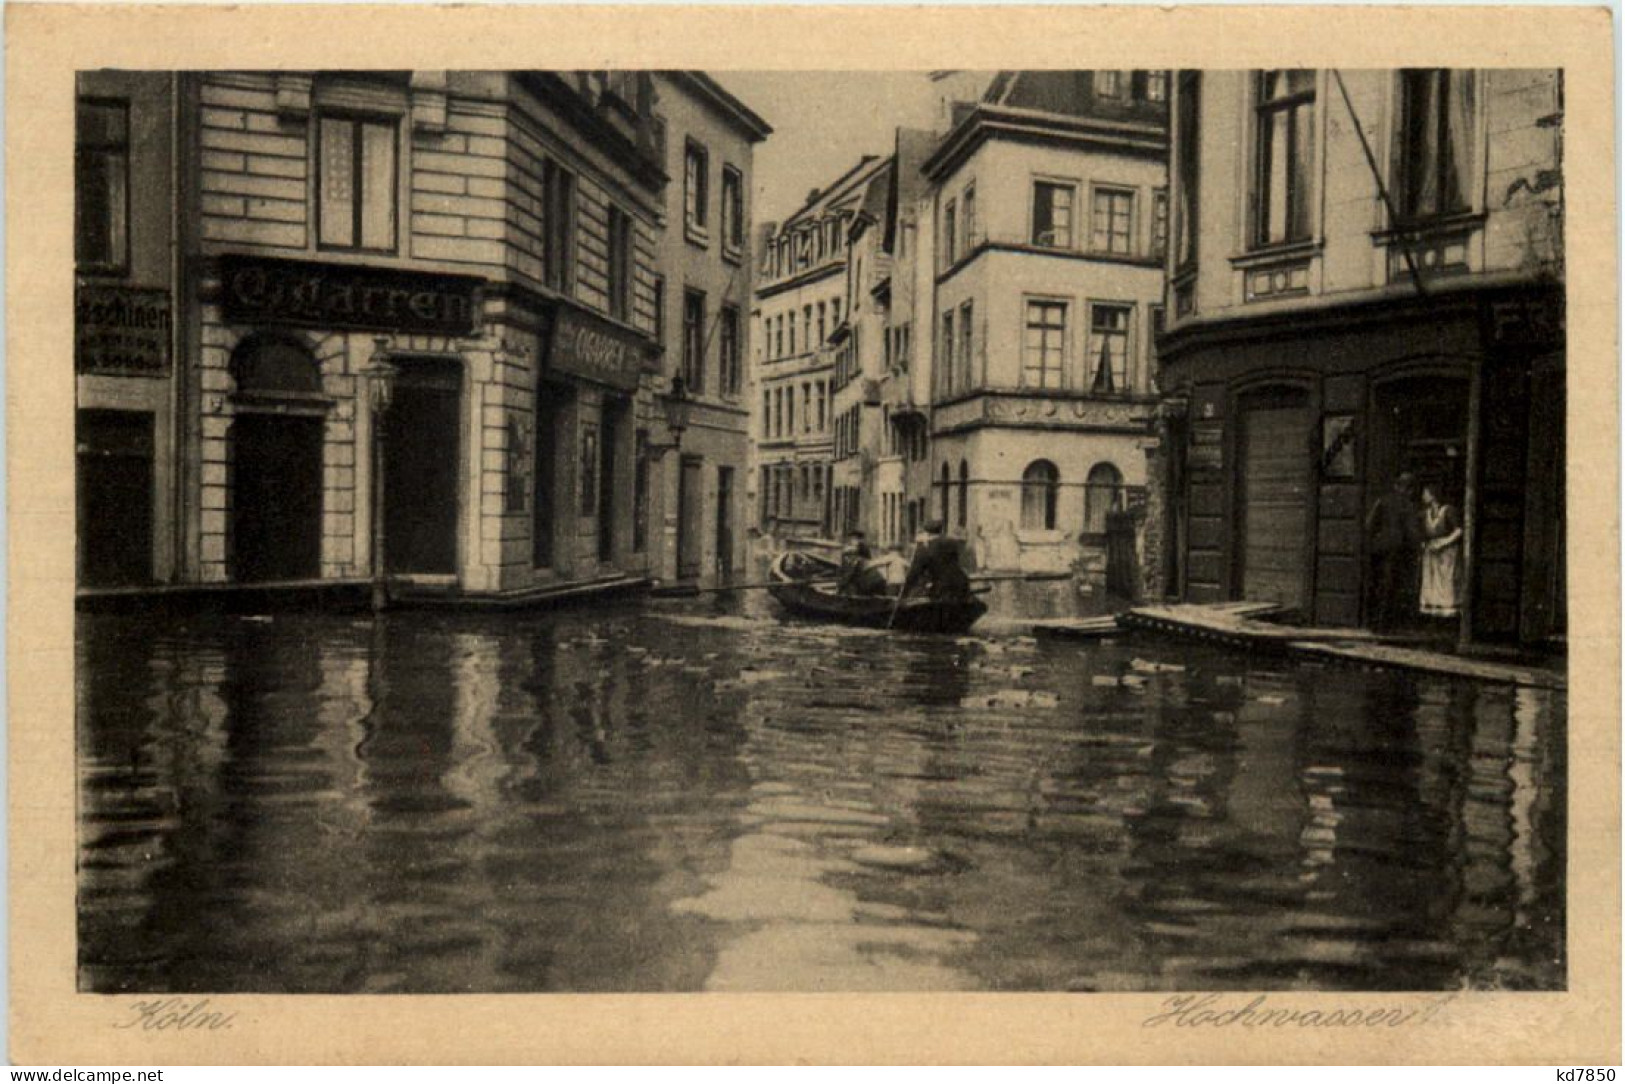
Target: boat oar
<point>683,590</point>
<point>903,588</point>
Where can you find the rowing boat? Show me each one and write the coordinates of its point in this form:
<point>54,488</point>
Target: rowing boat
<point>801,583</point>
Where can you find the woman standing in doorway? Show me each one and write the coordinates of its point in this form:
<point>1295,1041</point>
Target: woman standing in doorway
<point>1441,556</point>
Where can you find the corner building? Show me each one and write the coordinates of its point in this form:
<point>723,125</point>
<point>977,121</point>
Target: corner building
<point>1049,217</point>
<point>1384,298</point>
<point>495,237</point>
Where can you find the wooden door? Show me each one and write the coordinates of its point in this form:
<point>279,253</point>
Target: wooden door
<point>1274,505</point>
<point>690,499</point>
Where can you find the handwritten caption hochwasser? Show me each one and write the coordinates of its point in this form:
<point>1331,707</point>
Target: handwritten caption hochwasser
<point>1222,1011</point>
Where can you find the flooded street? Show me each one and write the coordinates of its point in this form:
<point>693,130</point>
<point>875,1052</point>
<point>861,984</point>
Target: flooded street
<point>696,795</point>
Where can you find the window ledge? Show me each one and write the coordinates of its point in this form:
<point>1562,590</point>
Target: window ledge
<point>697,235</point>
<point>1296,250</point>
<point>733,253</point>
<point>1460,222</point>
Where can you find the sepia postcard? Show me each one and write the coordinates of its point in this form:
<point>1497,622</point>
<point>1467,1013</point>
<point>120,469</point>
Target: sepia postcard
<point>812,534</point>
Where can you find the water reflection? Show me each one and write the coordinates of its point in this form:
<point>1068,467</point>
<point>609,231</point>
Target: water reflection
<point>699,796</point>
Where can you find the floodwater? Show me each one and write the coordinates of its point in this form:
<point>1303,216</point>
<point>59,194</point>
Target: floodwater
<point>696,795</point>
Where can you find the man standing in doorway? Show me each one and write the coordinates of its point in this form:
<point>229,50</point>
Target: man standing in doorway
<point>1392,538</point>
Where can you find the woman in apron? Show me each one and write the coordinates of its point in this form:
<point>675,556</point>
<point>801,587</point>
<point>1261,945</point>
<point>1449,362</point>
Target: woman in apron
<point>1441,556</point>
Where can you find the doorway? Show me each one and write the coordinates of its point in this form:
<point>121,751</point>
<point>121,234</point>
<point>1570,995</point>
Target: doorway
<point>1273,502</point>
<point>276,498</point>
<point>690,494</point>
<point>115,452</point>
<point>543,473</point>
<point>1419,427</point>
<point>613,416</point>
<point>421,456</point>
<point>725,522</point>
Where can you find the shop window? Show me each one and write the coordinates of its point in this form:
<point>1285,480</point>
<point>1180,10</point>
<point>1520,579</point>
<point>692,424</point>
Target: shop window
<point>1108,348</point>
<point>694,340</point>
<point>1284,179</point>
<point>1436,130</point>
<point>1052,214</point>
<point>356,169</point>
<point>102,186</point>
<point>620,264</point>
<point>733,208</point>
<point>1112,221</point>
<point>1102,495</point>
<point>1043,354</point>
<point>696,185</point>
<point>1040,486</point>
<point>558,226</point>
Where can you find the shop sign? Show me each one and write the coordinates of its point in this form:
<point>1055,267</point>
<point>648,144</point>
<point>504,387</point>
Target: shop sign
<point>121,330</point>
<point>596,351</point>
<point>256,290</point>
<point>1531,320</point>
<point>1207,446</point>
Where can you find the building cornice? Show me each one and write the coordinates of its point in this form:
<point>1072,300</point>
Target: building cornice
<point>1135,139</point>
<point>706,89</point>
<point>1452,298</point>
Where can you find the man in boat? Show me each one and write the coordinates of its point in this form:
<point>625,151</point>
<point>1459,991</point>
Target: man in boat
<point>938,566</point>
<point>857,577</point>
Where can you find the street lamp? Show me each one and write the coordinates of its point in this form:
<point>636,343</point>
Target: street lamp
<point>380,375</point>
<point>677,405</point>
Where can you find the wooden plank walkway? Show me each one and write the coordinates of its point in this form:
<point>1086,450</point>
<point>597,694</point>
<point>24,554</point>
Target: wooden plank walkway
<point>1437,662</point>
<point>1239,624</point>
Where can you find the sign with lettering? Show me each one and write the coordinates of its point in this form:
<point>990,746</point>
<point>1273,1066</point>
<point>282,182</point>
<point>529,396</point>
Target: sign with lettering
<point>595,350</point>
<point>1207,446</point>
<point>256,290</point>
<point>1529,320</point>
<point>121,331</point>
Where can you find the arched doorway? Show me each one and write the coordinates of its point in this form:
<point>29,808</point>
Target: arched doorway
<point>276,461</point>
<point>1100,496</point>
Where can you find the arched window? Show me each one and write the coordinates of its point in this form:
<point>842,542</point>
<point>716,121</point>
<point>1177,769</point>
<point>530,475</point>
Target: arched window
<point>1040,484</point>
<point>275,366</point>
<point>1101,496</point>
<point>964,492</point>
<point>945,500</point>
